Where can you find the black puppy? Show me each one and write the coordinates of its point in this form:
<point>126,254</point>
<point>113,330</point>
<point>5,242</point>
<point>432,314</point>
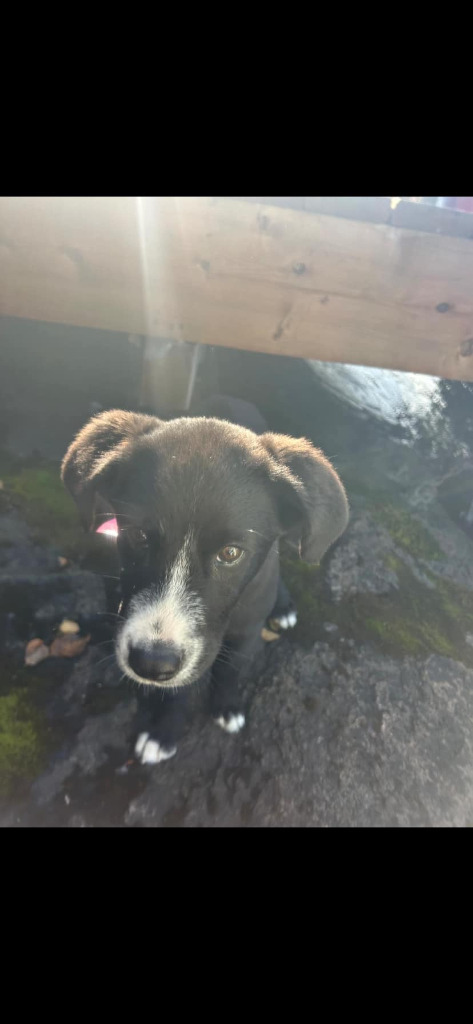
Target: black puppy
<point>201,505</point>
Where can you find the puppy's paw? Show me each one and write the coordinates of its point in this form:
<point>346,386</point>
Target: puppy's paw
<point>285,620</point>
<point>149,751</point>
<point>284,613</point>
<point>231,722</point>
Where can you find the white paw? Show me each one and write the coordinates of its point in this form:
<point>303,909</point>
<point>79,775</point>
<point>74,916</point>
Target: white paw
<point>287,621</point>
<point>232,724</point>
<point>150,752</point>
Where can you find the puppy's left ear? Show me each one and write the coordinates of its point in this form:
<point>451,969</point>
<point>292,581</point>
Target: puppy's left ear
<point>94,458</point>
<point>312,504</point>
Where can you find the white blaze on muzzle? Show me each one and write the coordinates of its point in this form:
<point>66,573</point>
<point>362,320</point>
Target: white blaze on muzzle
<point>171,615</point>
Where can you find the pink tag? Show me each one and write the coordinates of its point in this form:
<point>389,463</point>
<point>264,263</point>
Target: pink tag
<point>110,527</point>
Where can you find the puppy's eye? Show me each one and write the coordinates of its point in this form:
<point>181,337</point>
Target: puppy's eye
<point>229,554</point>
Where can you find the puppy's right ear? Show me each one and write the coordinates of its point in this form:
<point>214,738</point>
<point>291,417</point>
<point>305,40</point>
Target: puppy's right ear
<point>96,453</point>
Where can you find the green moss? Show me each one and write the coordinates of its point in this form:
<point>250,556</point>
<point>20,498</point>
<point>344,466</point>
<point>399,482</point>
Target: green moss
<point>43,496</point>
<point>28,734</point>
<point>409,620</point>
<point>22,740</point>
<point>391,562</point>
<point>46,506</point>
<point>407,532</point>
<point>402,637</point>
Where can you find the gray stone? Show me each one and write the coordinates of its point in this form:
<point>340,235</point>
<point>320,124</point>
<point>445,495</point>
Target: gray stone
<point>357,565</point>
<point>53,596</point>
<point>71,595</point>
<point>19,554</point>
<point>89,751</point>
<point>389,745</point>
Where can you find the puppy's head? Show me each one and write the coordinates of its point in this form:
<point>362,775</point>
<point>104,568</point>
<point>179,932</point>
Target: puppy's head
<point>200,505</point>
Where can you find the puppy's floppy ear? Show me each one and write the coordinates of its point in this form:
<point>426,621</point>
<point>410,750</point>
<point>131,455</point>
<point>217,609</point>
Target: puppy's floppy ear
<point>312,503</point>
<point>96,453</point>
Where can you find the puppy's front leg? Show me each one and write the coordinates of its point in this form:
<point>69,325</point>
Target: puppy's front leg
<point>165,715</point>
<point>225,700</point>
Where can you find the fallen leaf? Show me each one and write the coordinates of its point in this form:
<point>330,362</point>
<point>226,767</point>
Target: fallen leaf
<point>68,626</point>
<point>68,645</point>
<point>35,652</point>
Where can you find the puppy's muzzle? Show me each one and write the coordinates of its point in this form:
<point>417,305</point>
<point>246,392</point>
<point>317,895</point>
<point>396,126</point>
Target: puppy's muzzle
<point>158,663</point>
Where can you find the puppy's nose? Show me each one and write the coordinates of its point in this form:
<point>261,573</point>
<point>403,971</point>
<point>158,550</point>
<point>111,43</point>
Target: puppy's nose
<point>157,663</point>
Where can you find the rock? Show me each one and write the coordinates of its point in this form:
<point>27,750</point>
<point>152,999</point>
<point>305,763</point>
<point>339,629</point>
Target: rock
<point>90,750</point>
<point>70,595</point>
<point>77,821</point>
<point>46,599</point>
<point>358,564</point>
<point>92,673</point>
<point>388,744</point>
<point>19,553</point>
<point>12,638</point>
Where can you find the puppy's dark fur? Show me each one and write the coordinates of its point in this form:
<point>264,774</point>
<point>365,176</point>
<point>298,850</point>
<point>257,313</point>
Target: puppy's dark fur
<point>182,491</point>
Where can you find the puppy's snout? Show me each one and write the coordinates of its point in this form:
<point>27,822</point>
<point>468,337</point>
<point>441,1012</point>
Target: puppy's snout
<point>158,663</point>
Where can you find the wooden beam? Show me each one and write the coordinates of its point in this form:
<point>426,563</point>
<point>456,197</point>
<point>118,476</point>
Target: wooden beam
<point>441,220</point>
<point>243,275</point>
<point>370,208</point>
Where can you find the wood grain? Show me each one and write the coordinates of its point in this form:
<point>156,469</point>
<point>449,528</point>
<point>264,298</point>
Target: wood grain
<point>243,275</point>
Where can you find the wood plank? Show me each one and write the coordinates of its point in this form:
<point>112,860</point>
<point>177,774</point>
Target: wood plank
<point>422,217</point>
<point>370,208</point>
<point>289,202</point>
<point>378,209</point>
<point>242,275</point>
